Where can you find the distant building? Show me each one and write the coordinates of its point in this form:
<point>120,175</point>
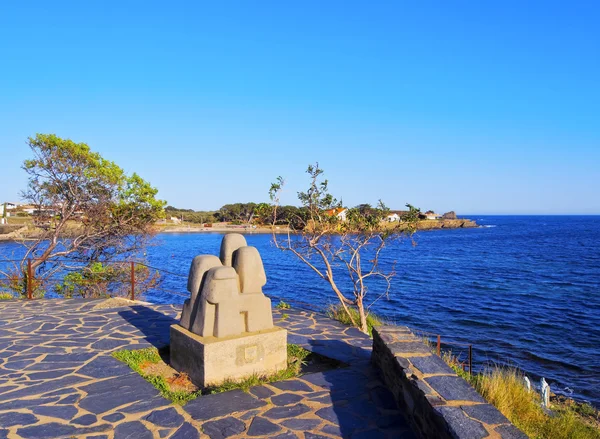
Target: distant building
<point>27,208</point>
<point>339,212</point>
<point>395,215</point>
<point>11,206</point>
<point>175,220</point>
<point>431,215</point>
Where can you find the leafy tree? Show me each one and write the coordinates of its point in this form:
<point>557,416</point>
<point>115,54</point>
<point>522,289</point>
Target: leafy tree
<point>413,215</point>
<point>339,250</point>
<point>92,211</point>
<point>238,212</point>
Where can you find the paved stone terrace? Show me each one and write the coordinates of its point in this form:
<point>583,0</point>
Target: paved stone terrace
<point>57,379</point>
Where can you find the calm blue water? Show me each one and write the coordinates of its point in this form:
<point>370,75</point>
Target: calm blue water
<point>522,290</point>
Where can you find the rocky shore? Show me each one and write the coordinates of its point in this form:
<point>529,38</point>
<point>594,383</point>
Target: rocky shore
<point>446,224</point>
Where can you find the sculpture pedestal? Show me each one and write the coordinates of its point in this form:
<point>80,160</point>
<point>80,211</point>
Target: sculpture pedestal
<point>209,360</point>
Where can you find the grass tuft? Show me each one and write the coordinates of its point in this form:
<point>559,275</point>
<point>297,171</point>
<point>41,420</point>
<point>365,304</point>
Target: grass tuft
<point>337,312</point>
<point>6,296</point>
<point>140,359</point>
<point>283,305</point>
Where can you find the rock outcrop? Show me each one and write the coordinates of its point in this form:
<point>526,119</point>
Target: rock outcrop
<point>449,215</point>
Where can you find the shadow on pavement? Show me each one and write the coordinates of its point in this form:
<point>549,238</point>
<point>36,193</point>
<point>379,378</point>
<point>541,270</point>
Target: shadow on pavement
<point>152,324</point>
<point>361,406</point>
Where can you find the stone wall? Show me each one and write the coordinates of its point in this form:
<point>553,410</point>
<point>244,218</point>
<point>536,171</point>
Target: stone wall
<point>437,402</point>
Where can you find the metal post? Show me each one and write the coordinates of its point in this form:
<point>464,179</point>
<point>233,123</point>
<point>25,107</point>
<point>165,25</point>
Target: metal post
<point>29,280</point>
<point>439,345</point>
<point>132,280</point>
<point>470,360</point>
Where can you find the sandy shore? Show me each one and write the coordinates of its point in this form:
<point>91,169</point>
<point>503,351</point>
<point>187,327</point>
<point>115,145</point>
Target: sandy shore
<point>236,229</point>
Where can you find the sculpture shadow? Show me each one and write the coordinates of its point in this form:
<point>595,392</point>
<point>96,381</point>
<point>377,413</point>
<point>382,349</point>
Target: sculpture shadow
<point>153,325</point>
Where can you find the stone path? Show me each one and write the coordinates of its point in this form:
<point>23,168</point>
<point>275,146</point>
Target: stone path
<point>57,379</point>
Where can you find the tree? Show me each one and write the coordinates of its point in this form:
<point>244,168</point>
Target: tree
<point>339,250</point>
<point>91,210</point>
<point>237,212</point>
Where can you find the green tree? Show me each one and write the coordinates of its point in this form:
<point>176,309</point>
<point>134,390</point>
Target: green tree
<point>91,209</point>
<point>339,246</point>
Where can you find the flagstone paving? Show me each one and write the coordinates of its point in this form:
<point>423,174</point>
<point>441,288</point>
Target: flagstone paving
<point>58,379</point>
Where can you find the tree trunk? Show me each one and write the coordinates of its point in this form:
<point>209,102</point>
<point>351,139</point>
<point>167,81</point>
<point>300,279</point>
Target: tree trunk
<point>363,318</point>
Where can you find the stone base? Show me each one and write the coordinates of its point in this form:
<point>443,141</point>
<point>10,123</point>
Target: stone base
<point>209,360</point>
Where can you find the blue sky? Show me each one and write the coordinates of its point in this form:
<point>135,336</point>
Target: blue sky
<point>478,107</point>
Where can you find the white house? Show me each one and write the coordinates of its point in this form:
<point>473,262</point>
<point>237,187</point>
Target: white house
<point>175,220</point>
<point>432,215</point>
<point>11,206</point>
<point>393,217</point>
<point>339,212</point>
<point>29,209</point>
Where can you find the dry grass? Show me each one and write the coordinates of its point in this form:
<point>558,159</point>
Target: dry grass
<point>504,387</point>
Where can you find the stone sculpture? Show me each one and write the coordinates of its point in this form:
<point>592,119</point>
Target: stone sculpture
<point>545,391</point>
<point>227,323</point>
<point>226,293</point>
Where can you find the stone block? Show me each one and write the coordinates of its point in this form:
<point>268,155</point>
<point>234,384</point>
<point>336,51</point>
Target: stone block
<point>485,413</point>
<point>431,365</point>
<point>460,425</point>
<point>454,388</point>
<point>210,361</point>
<point>510,432</point>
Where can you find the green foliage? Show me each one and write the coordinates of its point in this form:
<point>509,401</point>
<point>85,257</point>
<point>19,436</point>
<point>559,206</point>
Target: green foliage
<point>15,281</point>
<point>6,296</point>
<point>106,213</point>
<point>106,280</point>
<point>238,213</point>
<point>339,313</point>
<point>283,305</point>
<point>412,216</point>
<point>191,216</point>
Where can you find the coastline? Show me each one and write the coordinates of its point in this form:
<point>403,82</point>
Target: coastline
<point>421,225</point>
<point>25,232</point>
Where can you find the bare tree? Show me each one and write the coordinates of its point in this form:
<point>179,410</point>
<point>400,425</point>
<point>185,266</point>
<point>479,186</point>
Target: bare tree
<point>331,237</point>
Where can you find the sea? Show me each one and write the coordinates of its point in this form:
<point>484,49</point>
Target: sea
<point>523,291</point>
